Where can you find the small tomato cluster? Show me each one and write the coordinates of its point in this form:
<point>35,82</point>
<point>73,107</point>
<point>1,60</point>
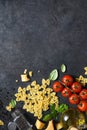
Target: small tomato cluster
<point>73,90</point>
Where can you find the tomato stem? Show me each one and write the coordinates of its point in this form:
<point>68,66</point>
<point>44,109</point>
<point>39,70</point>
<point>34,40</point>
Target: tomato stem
<point>68,88</point>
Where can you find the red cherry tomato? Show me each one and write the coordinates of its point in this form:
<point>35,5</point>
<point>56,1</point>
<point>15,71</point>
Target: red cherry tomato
<point>57,86</point>
<point>67,80</point>
<point>82,106</point>
<point>83,94</point>
<point>76,87</point>
<point>74,99</point>
<point>66,92</point>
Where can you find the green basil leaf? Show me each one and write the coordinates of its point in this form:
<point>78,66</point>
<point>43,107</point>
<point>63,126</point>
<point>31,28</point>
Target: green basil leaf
<point>52,107</point>
<point>63,68</point>
<point>53,75</point>
<point>62,108</point>
<point>54,113</point>
<point>13,103</point>
<point>47,117</point>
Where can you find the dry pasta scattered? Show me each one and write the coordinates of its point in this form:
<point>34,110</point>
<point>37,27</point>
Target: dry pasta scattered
<point>85,68</point>
<point>25,77</point>
<point>82,79</point>
<point>36,97</point>
<point>1,123</point>
<point>30,73</point>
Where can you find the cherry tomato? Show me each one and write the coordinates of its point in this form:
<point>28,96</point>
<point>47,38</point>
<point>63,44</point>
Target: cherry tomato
<point>74,99</point>
<point>67,80</point>
<point>57,86</point>
<point>82,106</point>
<point>83,94</point>
<point>66,92</point>
<point>76,87</point>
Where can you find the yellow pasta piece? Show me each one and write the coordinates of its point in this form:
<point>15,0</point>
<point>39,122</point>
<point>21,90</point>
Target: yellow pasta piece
<point>20,89</point>
<point>24,78</point>
<point>25,71</point>
<point>33,83</point>
<point>85,72</point>
<point>8,108</point>
<point>1,123</point>
<point>85,68</point>
<point>30,73</point>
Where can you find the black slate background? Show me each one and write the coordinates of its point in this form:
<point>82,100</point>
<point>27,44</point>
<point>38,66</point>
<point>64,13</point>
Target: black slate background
<point>39,35</point>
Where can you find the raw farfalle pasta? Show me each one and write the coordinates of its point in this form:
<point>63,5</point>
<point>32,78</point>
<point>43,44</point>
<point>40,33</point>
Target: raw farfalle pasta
<point>1,123</point>
<point>37,98</point>
<point>82,79</point>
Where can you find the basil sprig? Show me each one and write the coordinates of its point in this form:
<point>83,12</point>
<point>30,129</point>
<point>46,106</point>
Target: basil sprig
<point>53,113</point>
<point>62,108</point>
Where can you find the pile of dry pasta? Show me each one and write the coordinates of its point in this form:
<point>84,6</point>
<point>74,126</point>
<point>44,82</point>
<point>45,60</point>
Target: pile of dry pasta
<point>37,98</point>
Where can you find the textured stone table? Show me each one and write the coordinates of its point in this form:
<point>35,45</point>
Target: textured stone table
<point>39,35</point>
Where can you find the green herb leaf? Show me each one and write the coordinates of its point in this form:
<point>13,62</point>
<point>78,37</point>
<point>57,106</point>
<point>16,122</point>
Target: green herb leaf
<point>53,110</point>
<point>62,108</point>
<point>54,113</point>
<point>47,117</point>
<point>53,75</point>
<point>63,68</point>
<point>52,107</point>
<point>13,103</point>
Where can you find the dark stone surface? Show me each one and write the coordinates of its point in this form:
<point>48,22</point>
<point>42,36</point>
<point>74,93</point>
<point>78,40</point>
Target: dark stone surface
<point>40,35</point>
